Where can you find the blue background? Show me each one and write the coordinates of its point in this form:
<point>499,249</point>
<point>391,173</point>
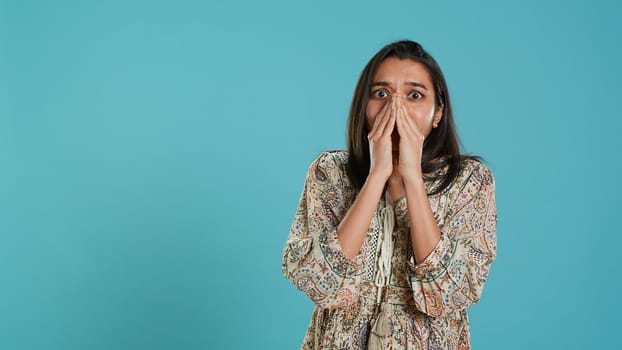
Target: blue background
<point>153,154</point>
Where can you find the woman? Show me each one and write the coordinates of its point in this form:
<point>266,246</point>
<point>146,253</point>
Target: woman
<point>394,238</point>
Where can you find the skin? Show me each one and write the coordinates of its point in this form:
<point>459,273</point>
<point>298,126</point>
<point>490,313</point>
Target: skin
<point>401,113</point>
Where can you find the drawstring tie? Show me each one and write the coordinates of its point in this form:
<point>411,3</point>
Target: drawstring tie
<point>380,324</point>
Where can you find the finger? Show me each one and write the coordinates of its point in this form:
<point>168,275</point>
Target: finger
<point>399,122</point>
<point>411,128</point>
<point>411,125</point>
<point>389,121</point>
<point>379,117</point>
<point>400,111</point>
<point>382,118</point>
<point>403,127</point>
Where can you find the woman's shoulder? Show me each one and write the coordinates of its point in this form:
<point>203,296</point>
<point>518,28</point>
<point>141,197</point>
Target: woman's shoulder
<point>331,158</point>
<point>477,168</point>
<point>472,170</point>
<point>329,163</point>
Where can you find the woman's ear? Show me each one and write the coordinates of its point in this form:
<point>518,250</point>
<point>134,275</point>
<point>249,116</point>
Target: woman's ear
<point>438,115</point>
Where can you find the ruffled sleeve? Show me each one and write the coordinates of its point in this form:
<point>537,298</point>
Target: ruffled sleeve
<point>452,276</point>
<point>313,259</point>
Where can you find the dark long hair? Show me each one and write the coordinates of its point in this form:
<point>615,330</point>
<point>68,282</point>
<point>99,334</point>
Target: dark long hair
<point>441,149</point>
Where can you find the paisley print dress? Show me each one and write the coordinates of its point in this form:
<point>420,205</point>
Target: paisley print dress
<point>426,303</point>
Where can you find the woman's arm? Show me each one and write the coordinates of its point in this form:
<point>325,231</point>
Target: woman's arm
<point>312,257</point>
<point>424,231</point>
<point>453,274</point>
<point>408,178</point>
<point>354,226</point>
<point>353,229</point>
<point>452,262</point>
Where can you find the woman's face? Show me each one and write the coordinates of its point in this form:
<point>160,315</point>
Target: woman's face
<point>411,81</point>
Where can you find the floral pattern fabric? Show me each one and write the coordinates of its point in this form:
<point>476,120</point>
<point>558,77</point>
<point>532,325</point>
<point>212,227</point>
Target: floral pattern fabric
<point>426,302</point>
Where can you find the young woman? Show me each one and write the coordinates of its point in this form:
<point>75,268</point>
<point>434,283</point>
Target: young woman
<point>394,238</point>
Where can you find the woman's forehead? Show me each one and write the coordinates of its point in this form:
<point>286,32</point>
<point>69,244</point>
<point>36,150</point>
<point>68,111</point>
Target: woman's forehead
<point>393,68</point>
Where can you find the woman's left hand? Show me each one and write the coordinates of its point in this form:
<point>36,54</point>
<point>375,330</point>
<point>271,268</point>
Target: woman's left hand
<point>411,145</point>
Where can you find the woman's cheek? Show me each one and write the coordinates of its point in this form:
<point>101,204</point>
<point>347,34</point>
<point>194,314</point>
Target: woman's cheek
<point>425,117</point>
<point>420,120</point>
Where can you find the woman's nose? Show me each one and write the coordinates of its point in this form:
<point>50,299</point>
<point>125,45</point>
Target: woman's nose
<point>397,98</point>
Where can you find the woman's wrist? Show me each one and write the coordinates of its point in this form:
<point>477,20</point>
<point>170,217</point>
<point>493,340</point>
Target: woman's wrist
<point>414,185</point>
<point>377,178</point>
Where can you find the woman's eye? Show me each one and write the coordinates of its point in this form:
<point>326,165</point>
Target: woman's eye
<point>380,94</point>
<point>415,95</point>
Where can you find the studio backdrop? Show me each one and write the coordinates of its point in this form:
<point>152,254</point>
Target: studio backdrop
<point>153,154</point>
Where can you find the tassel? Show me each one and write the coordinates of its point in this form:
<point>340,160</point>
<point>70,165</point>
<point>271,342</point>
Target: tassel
<point>375,343</point>
<point>378,331</point>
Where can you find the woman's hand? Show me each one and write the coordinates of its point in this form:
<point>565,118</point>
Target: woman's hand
<point>411,144</point>
<point>380,145</point>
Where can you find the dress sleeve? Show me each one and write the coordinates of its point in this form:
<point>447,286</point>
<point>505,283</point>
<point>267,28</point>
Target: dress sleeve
<point>452,276</point>
<point>313,259</point>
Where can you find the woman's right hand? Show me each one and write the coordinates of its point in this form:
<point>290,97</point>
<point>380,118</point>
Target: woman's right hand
<point>380,145</point>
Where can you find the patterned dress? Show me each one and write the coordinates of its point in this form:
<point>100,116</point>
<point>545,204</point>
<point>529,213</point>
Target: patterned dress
<point>426,303</point>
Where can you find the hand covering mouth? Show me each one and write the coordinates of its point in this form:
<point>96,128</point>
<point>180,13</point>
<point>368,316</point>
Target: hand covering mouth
<point>395,136</point>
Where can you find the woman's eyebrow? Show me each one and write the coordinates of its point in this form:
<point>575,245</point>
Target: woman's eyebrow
<point>411,83</point>
<point>380,83</point>
<point>414,83</point>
